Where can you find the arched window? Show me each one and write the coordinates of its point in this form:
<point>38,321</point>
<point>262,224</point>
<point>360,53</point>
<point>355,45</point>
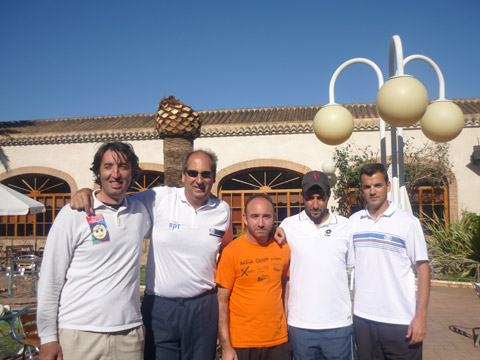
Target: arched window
<point>283,186</point>
<point>147,179</point>
<point>53,192</point>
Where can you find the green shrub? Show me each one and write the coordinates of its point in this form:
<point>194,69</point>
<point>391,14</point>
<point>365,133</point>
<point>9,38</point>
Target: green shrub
<point>454,247</point>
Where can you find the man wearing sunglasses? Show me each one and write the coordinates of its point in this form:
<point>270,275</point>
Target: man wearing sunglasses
<point>180,308</point>
<point>190,226</point>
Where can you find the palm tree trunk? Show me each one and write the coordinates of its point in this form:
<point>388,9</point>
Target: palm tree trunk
<point>173,150</point>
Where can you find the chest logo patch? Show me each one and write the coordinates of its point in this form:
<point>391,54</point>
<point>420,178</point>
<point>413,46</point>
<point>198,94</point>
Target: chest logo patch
<point>98,228</point>
<point>174,226</point>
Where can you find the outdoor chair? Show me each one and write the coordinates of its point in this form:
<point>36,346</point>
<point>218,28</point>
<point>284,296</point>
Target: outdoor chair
<point>26,262</point>
<point>15,251</point>
<point>24,268</point>
<point>26,334</point>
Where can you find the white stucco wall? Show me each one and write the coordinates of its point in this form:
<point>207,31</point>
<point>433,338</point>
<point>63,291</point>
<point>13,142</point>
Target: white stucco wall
<point>302,149</point>
<point>466,174</point>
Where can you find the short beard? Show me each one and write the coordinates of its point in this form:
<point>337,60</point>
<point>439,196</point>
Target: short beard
<point>319,219</point>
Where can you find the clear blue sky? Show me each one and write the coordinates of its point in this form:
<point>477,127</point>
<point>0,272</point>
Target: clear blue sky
<point>66,58</point>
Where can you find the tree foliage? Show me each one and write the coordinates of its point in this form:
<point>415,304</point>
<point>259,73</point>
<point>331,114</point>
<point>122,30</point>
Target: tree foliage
<point>348,161</point>
<point>428,164</point>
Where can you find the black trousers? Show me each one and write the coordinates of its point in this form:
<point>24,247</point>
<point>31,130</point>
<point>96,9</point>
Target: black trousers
<point>376,340</point>
<point>279,352</point>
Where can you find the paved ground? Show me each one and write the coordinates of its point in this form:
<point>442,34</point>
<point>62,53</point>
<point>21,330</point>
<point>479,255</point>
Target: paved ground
<point>452,308</point>
<point>453,313</point>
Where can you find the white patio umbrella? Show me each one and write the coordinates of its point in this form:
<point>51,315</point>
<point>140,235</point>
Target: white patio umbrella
<point>14,203</point>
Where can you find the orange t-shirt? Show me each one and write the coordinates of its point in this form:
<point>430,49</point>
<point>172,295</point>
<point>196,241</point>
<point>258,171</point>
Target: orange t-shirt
<point>254,275</point>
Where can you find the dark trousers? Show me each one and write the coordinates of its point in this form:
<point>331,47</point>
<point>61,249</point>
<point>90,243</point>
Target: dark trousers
<point>376,340</point>
<point>279,352</point>
<point>180,329</point>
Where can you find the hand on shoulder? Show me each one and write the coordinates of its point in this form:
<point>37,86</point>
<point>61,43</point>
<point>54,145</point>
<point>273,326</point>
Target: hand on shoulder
<point>82,200</point>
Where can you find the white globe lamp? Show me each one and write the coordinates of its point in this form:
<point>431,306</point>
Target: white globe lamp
<point>443,121</point>
<point>402,101</point>
<point>333,124</point>
<point>328,167</point>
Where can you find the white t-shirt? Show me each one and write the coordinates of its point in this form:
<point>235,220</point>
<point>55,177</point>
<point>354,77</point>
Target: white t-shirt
<point>319,296</point>
<point>386,251</point>
<point>90,274</point>
<point>185,242</point>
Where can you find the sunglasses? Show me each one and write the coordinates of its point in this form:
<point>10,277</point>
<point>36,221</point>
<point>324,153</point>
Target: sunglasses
<point>194,174</point>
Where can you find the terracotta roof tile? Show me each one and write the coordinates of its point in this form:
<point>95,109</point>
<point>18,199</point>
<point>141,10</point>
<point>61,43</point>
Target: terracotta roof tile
<point>292,119</point>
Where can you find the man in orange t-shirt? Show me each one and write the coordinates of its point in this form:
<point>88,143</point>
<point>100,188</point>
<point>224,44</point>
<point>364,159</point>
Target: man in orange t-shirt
<point>251,275</point>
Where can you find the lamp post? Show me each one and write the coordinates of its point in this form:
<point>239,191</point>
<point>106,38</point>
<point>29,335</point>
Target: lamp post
<point>401,101</point>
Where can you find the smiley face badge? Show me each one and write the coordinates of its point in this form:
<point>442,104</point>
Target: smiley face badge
<point>99,230</point>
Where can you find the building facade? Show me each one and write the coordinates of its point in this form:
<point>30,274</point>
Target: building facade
<point>263,149</point>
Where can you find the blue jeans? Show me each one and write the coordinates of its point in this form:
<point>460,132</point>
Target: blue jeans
<point>308,344</point>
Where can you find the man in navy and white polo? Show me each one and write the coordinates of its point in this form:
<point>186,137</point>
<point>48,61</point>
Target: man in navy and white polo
<point>319,307</point>
<point>389,319</point>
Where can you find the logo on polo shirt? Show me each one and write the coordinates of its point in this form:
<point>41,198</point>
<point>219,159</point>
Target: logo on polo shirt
<point>174,226</point>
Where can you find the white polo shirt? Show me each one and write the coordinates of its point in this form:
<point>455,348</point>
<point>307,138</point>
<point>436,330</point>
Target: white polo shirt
<point>386,251</point>
<point>319,296</point>
<point>185,242</point>
<point>90,276</point>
